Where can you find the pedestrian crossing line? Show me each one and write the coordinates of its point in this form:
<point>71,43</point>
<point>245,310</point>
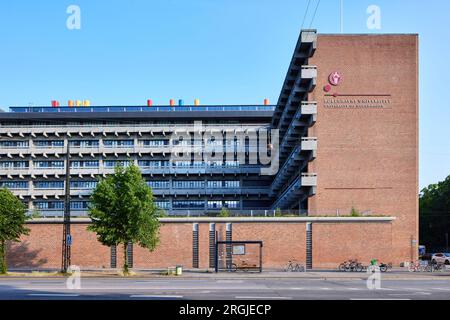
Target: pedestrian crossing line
<point>148,296</point>
<point>442,289</point>
<point>53,295</point>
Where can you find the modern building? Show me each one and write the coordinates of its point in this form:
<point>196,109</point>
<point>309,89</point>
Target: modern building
<point>344,130</point>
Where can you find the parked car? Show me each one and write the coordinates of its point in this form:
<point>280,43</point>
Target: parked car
<point>426,257</point>
<point>441,258</point>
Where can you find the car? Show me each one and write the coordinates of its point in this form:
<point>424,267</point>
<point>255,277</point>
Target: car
<point>441,258</point>
<point>426,257</point>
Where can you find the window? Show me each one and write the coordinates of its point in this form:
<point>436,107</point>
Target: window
<point>118,143</point>
<point>13,144</point>
<point>188,204</point>
<point>14,164</point>
<point>181,164</point>
<point>48,184</point>
<point>84,143</point>
<point>14,185</point>
<point>153,163</point>
<point>159,184</point>
<point>216,204</point>
<point>163,204</point>
<point>188,184</point>
<point>224,184</point>
<point>114,163</point>
<point>48,164</point>
<point>155,143</point>
<point>49,205</point>
<point>231,204</point>
<point>79,205</point>
<point>84,164</point>
<point>48,143</point>
<point>83,185</point>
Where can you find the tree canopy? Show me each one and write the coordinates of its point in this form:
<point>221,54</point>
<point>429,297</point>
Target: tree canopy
<point>434,207</point>
<point>12,223</point>
<point>123,210</point>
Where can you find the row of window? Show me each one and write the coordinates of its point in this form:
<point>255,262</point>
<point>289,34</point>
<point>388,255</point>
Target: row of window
<point>178,204</point>
<point>117,143</point>
<point>199,204</point>
<point>76,185</point>
<point>155,184</point>
<point>59,164</point>
<point>59,205</point>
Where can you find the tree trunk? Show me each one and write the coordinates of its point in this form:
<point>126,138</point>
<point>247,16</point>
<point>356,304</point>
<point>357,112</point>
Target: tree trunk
<point>125,259</point>
<point>3,267</point>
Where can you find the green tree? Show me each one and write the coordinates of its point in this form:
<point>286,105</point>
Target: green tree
<point>12,223</point>
<point>123,211</point>
<point>224,213</point>
<point>434,208</point>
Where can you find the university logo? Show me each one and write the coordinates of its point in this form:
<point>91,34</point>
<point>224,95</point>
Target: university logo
<point>335,78</point>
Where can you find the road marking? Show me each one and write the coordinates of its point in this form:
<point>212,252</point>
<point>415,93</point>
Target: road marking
<point>53,295</point>
<point>229,281</point>
<point>262,297</point>
<point>355,289</point>
<point>442,289</point>
<point>325,289</point>
<point>369,299</point>
<point>410,294</point>
<point>154,296</point>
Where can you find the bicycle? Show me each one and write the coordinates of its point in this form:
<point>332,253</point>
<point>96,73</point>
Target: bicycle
<point>351,266</point>
<point>437,267</point>
<point>294,267</point>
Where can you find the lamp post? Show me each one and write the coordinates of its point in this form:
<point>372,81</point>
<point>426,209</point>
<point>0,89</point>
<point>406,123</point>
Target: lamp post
<point>67,238</point>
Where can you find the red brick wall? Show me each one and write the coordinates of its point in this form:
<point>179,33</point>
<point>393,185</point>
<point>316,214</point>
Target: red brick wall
<point>334,243</point>
<point>367,158</point>
<point>283,241</point>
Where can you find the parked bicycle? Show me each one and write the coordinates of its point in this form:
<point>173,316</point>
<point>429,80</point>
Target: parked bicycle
<point>294,267</point>
<point>438,266</point>
<point>420,266</point>
<point>385,267</point>
<point>351,266</point>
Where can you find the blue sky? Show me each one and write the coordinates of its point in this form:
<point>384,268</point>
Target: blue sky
<point>220,51</point>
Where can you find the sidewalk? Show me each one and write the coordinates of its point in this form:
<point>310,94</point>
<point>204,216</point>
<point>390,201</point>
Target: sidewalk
<point>195,274</point>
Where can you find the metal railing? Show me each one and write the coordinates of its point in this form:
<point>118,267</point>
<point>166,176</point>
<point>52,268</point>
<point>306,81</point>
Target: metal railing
<point>141,109</point>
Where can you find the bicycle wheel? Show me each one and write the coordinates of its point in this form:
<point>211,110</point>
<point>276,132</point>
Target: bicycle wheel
<point>359,268</point>
<point>233,267</point>
<point>288,268</point>
<point>383,268</point>
<point>342,267</point>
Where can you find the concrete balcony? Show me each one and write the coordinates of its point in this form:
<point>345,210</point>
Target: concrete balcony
<point>309,73</point>
<point>309,144</point>
<point>8,152</point>
<point>13,172</point>
<point>308,180</point>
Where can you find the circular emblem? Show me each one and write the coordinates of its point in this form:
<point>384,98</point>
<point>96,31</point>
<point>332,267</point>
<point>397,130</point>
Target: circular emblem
<point>335,78</point>
<point>327,88</point>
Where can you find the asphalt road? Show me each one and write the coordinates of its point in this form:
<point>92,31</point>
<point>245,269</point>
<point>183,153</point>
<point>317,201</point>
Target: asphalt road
<point>216,289</point>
